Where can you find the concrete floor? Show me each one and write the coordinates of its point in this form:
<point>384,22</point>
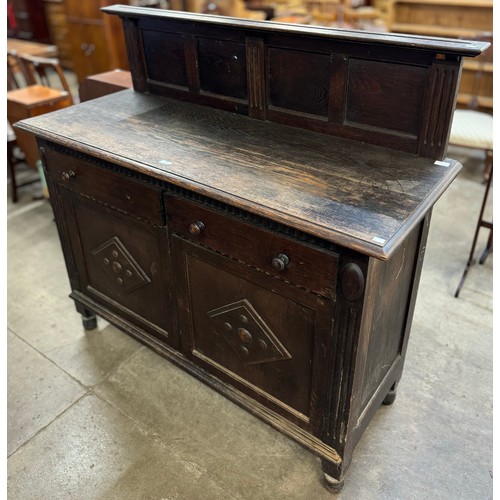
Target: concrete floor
<point>95,415</point>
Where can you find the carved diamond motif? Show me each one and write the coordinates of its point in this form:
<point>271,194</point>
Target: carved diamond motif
<point>119,265</point>
<point>247,333</point>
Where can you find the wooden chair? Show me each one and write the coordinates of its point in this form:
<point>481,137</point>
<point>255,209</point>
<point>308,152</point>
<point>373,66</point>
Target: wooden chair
<point>41,89</point>
<point>13,70</point>
<point>43,71</point>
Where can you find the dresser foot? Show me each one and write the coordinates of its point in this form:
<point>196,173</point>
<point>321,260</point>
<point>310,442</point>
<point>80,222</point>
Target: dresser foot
<point>334,485</point>
<point>391,396</point>
<point>89,319</point>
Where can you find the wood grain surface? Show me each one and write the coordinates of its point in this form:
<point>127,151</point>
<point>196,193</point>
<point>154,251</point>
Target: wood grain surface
<point>361,196</point>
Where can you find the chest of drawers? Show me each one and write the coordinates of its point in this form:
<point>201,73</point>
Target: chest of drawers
<point>278,264</point>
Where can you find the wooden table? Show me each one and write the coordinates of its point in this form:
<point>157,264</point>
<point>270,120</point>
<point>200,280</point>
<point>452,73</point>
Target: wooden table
<point>32,101</point>
<point>261,221</point>
<point>104,83</point>
<point>31,48</point>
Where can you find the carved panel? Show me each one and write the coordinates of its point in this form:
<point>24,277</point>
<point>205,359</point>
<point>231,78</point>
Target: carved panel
<point>119,265</point>
<point>247,333</point>
<point>438,108</point>
<point>256,78</point>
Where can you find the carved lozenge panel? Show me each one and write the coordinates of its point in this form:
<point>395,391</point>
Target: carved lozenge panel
<point>247,333</point>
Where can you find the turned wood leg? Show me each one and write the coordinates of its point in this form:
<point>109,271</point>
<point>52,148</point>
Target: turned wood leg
<point>391,395</point>
<point>89,319</point>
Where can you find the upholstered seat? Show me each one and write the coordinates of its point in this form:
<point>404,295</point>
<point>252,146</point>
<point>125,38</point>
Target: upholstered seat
<point>472,129</point>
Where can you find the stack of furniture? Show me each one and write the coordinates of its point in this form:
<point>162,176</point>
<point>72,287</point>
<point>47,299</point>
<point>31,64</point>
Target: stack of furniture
<point>59,31</point>
<point>451,18</point>
<point>26,20</point>
<point>256,209</point>
<point>96,40</point>
<point>38,93</point>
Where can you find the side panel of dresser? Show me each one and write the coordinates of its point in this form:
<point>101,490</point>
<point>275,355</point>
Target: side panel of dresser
<point>114,242</point>
<point>384,331</point>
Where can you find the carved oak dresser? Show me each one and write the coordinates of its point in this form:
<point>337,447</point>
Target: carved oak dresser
<point>256,208</point>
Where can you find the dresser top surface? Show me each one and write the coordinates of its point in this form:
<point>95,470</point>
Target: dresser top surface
<point>357,195</point>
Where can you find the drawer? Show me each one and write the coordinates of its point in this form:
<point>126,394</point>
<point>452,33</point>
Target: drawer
<point>127,195</point>
<point>296,262</point>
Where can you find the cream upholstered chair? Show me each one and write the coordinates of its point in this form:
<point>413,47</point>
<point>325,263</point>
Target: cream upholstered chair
<point>474,129</point>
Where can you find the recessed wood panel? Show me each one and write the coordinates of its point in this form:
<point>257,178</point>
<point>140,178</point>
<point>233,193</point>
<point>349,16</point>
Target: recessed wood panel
<point>385,95</point>
<point>299,81</point>
<point>222,67</point>
<point>225,306</point>
<point>121,266</point>
<point>165,60</point>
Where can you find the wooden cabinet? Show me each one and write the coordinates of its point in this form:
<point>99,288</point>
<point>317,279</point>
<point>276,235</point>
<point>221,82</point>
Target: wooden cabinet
<point>26,20</point>
<point>96,41</point>
<point>58,30</point>
<point>454,18</point>
<point>275,256</point>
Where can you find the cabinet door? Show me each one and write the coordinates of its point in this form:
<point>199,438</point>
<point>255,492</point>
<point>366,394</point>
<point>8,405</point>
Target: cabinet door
<point>251,330</point>
<point>123,264</point>
<point>88,48</point>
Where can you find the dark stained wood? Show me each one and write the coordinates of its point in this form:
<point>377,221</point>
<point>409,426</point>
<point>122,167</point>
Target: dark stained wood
<point>438,106</point>
<point>291,86</point>
<point>256,77</point>
<point>119,263</point>
<point>376,98</point>
<point>135,54</point>
<point>164,56</point>
<point>127,196</point>
<point>278,264</point>
<point>413,42</point>
<point>385,95</point>
<point>210,282</point>
<point>334,189</point>
<point>222,67</point>
<point>254,246</point>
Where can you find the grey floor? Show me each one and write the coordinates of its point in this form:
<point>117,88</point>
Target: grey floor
<point>95,415</point>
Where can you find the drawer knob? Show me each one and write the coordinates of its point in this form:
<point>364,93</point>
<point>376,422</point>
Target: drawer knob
<point>280,262</point>
<point>196,227</point>
<point>66,176</point>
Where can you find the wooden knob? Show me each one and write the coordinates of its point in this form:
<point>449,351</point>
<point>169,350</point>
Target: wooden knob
<point>66,176</point>
<point>280,262</point>
<point>196,227</point>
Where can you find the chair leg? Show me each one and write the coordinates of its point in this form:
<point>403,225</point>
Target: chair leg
<point>488,165</point>
<point>489,247</point>
<point>12,171</point>
<point>480,223</point>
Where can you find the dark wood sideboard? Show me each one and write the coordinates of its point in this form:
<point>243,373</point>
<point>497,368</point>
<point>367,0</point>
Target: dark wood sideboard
<point>256,208</point>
